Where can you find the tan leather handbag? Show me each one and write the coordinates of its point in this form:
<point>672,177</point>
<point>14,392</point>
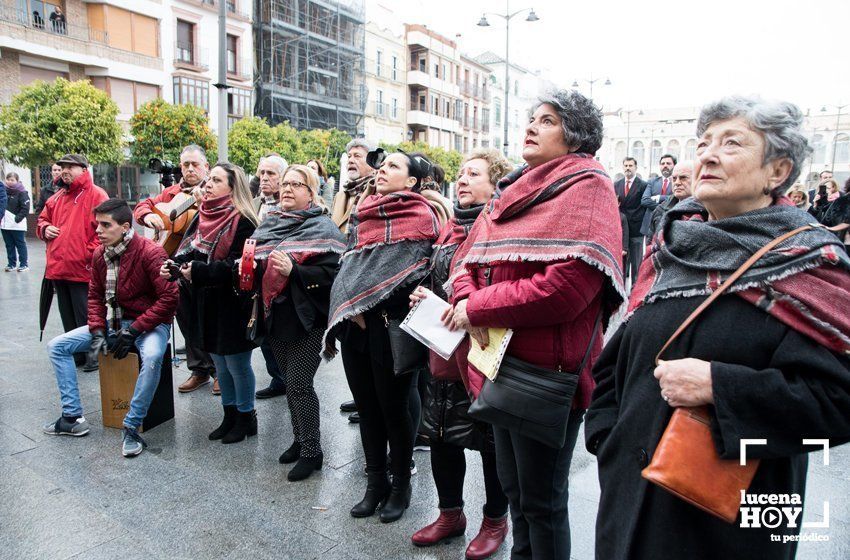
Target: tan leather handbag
<point>686,462</point>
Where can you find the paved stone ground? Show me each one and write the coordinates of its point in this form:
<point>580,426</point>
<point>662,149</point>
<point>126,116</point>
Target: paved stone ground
<point>187,497</point>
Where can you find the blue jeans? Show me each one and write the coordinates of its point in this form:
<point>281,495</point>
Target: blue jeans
<point>151,346</point>
<point>236,380</point>
<point>15,242</point>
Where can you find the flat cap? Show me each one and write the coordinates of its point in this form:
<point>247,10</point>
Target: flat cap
<point>73,159</point>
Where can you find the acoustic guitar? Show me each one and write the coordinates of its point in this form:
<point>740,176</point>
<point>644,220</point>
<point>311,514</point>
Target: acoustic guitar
<point>176,215</point>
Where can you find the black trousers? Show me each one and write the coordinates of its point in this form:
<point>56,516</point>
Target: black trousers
<point>298,360</point>
<point>198,361</point>
<point>277,375</point>
<point>535,478</point>
<point>448,466</point>
<point>635,256</point>
<point>383,401</point>
<point>73,301</point>
<point>72,298</point>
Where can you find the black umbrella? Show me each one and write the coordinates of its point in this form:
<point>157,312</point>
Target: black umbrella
<point>45,300</point>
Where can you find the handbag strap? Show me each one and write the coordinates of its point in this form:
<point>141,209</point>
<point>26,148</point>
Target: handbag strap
<point>729,281</point>
<point>592,338</point>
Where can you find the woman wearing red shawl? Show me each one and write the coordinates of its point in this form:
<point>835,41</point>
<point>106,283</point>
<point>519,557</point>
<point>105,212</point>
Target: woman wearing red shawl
<point>544,260</point>
<point>207,256</point>
<point>389,246</point>
<point>445,418</point>
<point>768,359</point>
<point>298,248</point>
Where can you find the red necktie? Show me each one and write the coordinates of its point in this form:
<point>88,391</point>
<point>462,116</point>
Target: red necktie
<point>664,187</point>
<point>628,182</point>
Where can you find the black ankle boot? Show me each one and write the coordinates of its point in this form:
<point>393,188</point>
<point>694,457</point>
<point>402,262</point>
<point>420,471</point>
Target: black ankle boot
<point>227,424</point>
<point>377,490</point>
<point>290,455</point>
<point>305,467</point>
<point>398,501</point>
<point>246,426</point>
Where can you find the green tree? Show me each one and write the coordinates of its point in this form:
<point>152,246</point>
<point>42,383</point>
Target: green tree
<point>324,145</point>
<point>49,119</point>
<point>248,140</point>
<point>288,143</point>
<point>161,130</point>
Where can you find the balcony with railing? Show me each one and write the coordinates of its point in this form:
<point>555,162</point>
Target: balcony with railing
<point>242,69</point>
<point>190,57</point>
<point>233,8</point>
<point>57,28</point>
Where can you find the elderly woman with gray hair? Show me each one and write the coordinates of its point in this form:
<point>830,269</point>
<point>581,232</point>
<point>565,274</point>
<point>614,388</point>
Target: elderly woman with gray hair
<point>768,358</point>
<point>543,260</point>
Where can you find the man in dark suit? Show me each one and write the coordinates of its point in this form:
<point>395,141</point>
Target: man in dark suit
<point>657,190</point>
<point>629,191</point>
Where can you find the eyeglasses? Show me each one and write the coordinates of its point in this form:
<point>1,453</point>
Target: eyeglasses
<point>294,185</point>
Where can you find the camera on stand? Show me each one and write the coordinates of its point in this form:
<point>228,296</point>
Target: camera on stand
<point>168,172</point>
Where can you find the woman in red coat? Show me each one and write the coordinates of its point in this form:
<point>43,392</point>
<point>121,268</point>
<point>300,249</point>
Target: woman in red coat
<point>544,260</point>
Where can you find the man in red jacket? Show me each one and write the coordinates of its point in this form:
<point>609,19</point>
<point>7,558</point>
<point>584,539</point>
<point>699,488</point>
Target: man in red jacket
<point>67,226</point>
<point>194,169</point>
<point>125,284</point>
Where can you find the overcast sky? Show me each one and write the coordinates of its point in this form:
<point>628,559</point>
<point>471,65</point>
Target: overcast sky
<point>661,53</point>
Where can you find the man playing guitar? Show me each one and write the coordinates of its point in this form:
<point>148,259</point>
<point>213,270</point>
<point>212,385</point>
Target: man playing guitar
<point>194,168</point>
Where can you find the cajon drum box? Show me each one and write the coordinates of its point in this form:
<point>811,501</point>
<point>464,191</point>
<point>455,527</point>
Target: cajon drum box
<point>118,382</point>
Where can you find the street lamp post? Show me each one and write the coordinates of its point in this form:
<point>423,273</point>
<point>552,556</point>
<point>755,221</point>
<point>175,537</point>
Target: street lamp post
<point>628,127</point>
<point>591,81</point>
<point>507,17</point>
<point>835,136</point>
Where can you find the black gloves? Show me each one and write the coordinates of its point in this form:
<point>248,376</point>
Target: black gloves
<point>98,346</point>
<point>124,342</point>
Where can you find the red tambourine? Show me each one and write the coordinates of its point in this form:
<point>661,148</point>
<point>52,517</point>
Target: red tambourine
<point>246,277</point>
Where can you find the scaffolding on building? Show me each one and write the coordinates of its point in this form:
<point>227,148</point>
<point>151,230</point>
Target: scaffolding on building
<point>310,57</point>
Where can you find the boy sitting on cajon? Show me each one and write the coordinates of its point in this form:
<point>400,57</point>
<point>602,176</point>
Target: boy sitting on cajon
<point>124,279</point>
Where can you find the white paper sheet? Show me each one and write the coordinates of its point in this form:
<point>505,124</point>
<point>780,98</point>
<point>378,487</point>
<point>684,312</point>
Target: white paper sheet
<point>423,323</point>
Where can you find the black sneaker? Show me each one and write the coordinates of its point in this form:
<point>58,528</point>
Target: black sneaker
<point>63,427</point>
<point>354,417</point>
<point>270,392</point>
<point>348,406</point>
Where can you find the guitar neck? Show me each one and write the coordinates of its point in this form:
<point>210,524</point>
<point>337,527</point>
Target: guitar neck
<point>183,207</point>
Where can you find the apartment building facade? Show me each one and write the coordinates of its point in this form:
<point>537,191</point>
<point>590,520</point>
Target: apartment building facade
<point>136,51</point>
<point>116,45</point>
<point>385,81</point>
<point>191,32</point>
<point>475,94</point>
<point>524,89</point>
<point>435,106</point>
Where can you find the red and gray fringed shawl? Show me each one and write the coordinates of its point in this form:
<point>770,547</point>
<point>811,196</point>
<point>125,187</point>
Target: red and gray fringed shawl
<point>389,247</point>
<point>562,210</point>
<point>213,230</point>
<point>302,235</point>
<point>804,282</point>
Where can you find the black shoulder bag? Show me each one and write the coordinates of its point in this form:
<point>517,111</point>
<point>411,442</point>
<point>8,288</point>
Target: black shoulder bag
<point>530,400</point>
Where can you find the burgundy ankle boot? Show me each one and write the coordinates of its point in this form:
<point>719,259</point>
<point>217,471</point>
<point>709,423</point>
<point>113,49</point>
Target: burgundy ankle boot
<point>489,538</point>
<point>450,523</point>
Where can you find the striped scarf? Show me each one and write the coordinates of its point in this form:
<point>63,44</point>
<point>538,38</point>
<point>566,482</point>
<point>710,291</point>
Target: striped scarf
<point>212,231</point>
<point>561,210</point>
<point>112,256</point>
<point>804,282</point>
<point>389,247</point>
<point>302,235</point>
